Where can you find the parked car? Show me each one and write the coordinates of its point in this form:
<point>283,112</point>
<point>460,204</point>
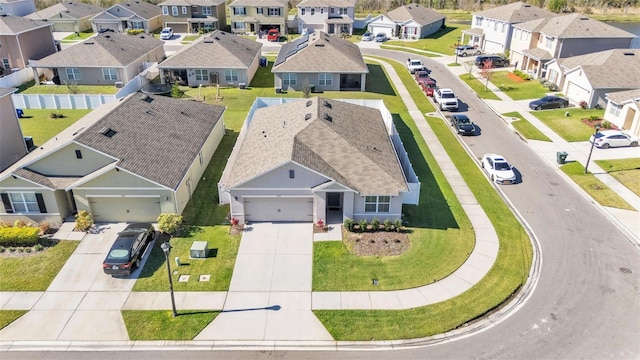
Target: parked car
<point>381,37</point>
<point>467,50</point>
<point>273,35</point>
<point>368,36</point>
<point>429,86</point>
<point>414,65</point>
<point>549,102</point>
<point>166,33</point>
<point>613,138</point>
<point>422,75</point>
<point>126,252</point>
<point>446,99</point>
<point>462,124</point>
<point>498,169</point>
<point>496,61</point>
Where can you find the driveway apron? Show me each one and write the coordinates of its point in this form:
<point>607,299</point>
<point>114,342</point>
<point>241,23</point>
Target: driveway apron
<point>270,293</point>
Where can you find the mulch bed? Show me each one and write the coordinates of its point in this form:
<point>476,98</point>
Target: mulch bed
<point>592,124</point>
<point>381,243</point>
<point>515,77</point>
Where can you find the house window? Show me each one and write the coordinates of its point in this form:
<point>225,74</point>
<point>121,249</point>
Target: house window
<point>548,41</point>
<point>553,76</point>
<point>495,26</point>
<point>184,10</point>
<point>313,11</point>
<point>411,30</point>
<point>5,64</point>
<point>165,10</point>
<point>78,154</point>
<point>201,75</point>
<point>231,75</point>
<point>259,10</point>
<point>292,174</point>
<point>174,10</point>
<point>206,10</point>
<point>333,10</point>
<point>504,27</point>
<point>274,11</point>
<point>110,74</point>
<point>343,11</point>
<point>200,157</point>
<point>378,204</point>
<point>302,11</point>
<point>521,33</point>
<point>239,11</point>
<point>73,73</point>
<point>24,202</point>
<point>479,21</point>
<point>137,25</point>
<point>194,9</point>
<point>615,110</point>
<point>289,79</point>
<point>321,10</point>
<point>238,25</point>
<point>324,79</point>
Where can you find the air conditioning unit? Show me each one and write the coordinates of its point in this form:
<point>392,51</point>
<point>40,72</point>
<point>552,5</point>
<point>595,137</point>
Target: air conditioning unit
<point>28,141</point>
<point>119,84</point>
<point>242,86</point>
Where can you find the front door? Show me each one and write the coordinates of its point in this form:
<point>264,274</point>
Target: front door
<point>333,201</point>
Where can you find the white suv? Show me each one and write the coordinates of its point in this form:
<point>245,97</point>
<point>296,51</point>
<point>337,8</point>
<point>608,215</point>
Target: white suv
<point>166,33</point>
<point>446,99</point>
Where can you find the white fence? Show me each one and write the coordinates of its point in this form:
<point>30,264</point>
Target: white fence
<point>17,78</point>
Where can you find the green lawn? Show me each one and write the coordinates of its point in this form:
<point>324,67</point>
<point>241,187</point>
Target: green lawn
<point>79,37</point>
<point>570,128</point>
<point>443,41</point>
<point>525,128</point>
<point>189,38</point>
<point>479,87</point>
<point>9,316</point>
<point>160,325</point>
<point>626,171</point>
<point>529,89</point>
<point>594,187</point>
<point>64,89</point>
<point>39,124</point>
<point>34,272</point>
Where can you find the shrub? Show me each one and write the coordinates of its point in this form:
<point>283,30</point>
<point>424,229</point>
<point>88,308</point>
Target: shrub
<point>38,247</point>
<point>2,249</point>
<point>388,224</point>
<point>19,236</point>
<point>20,249</point>
<point>234,221</point>
<point>134,31</point>
<point>84,221</point>
<point>19,223</point>
<point>363,225</point>
<point>398,225</point>
<point>27,250</point>
<point>12,249</point>
<point>375,224</point>
<point>44,228</point>
<point>348,224</point>
<point>583,104</point>
<point>176,92</point>
<point>606,124</point>
<point>320,223</point>
<point>169,223</point>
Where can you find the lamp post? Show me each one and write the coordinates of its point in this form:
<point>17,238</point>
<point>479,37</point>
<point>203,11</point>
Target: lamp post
<point>166,248</point>
<point>456,48</point>
<point>595,136</point>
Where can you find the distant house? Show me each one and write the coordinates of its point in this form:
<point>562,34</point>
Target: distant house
<point>132,14</point>
<point>491,29</point>
<point>409,21</point>
<point>17,7</point>
<point>333,17</point>
<point>22,40</point>
<point>69,16</point>
<point>623,110</point>
<point>535,43</point>
<point>219,58</point>
<point>325,62</point>
<point>127,161</point>
<point>12,144</point>
<point>187,16</point>
<point>255,16</point>
<point>590,77</point>
<point>103,59</point>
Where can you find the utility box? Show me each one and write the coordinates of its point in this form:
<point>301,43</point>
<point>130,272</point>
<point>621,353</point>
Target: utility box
<point>561,157</point>
<point>199,250</point>
<point>242,86</point>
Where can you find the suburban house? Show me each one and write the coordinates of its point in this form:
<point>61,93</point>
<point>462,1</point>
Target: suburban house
<point>219,58</point>
<point>315,158</point>
<point>72,16</point>
<point>17,7</point>
<point>258,16</point>
<point>326,63</point>
<point>128,160</point>
<point>590,77</point>
<point>535,43</point>
<point>132,14</point>
<point>491,29</point>
<point>189,16</point>
<point>333,17</point>
<point>623,110</point>
<point>12,144</point>
<point>22,40</point>
<point>102,60</point>
<point>411,21</point>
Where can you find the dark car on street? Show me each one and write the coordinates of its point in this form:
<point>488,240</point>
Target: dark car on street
<point>495,60</point>
<point>549,102</point>
<point>126,252</point>
<point>462,124</point>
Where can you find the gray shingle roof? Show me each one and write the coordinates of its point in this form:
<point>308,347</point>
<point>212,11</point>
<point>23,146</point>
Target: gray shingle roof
<point>617,68</point>
<point>353,147</point>
<point>12,25</point>
<point>621,97</point>
<point>6,91</point>
<point>515,13</point>
<point>142,8</point>
<point>327,3</point>
<point>217,50</point>
<point>420,14</point>
<point>74,9</point>
<point>319,52</point>
<point>191,2</point>
<point>157,137</point>
<point>34,177</point>
<point>103,50</point>
<point>538,54</point>
<point>580,26</point>
<point>257,3</point>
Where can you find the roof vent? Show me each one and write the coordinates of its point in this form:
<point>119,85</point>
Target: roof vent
<point>320,45</point>
<point>88,43</point>
<point>108,132</point>
<point>309,103</point>
<point>217,38</point>
<point>145,97</point>
<point>308,116</point>
<point>584,18</point>
<point>327,104</point>
<point>629,54</point>
<point>327,117</point>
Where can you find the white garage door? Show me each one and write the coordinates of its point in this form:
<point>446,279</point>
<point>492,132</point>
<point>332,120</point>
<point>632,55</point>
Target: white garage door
<point>278,209</point>
<point>127,209</point>
<point>576,93</point>
<point>64,26</point>
<point>381,29</point>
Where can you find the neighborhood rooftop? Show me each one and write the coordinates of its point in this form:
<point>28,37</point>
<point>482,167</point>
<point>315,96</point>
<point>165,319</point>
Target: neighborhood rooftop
<point>259,3</point>
<point>142,8</point>
<point>574,26</point>
<point>327,3</point>
<point>11,25</point>
<point>73,9</point>
<point>617,68</point>
<point>515,12</point>
<point>192,2</point>
<point>621,97</point>
<point>420,14</point>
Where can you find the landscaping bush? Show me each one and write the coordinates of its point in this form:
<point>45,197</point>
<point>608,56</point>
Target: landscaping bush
<point>348,224</point>
<point>84,221</point>
<point>375,224</point>
<point>134,31</point>
<point>169,223</point>
<point>606,125</point>
<point>388,224</point>
<point>363,225</point>
<point>583,104</point>
<point>19,236</point>
<point>398,225</point>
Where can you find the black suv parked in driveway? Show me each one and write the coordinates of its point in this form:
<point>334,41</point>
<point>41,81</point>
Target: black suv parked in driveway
<point>496,61</point>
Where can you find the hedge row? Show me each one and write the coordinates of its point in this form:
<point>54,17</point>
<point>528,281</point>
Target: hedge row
<point>19,236</point>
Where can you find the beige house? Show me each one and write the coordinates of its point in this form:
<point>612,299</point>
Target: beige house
<point>126,161</point>
<point>22,40</point>
<point>12,144</point>
<point>102,60</point>
<point>623,110</point>
<point>333,17</point>
<point>325,62</point>
<point>255,16</point>
<point>68,15</point>
<point>132,14</point>
<point>411,21</point>
<point>219,58</point>
<point>187,16</point>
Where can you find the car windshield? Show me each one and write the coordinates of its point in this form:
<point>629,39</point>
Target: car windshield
<point>423,75</point>
<point>547,99</point>
<point>502,166</point>
<point>448,95</point>
<point>463,120</point>
<point>118,254</point>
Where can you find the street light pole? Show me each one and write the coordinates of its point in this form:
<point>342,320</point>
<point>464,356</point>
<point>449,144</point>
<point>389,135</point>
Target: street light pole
<point>166,248</point>
<point>456,48</point>
<point>595,136</point>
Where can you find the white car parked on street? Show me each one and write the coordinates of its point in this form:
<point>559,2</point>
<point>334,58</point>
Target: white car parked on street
<point>613,138</point>
<point>498,169</point>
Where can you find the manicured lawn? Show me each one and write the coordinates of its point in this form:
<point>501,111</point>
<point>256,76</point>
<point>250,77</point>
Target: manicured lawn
<point>525,128</point>
<point>410,50</point>
<point>530,89</point>
<point>160,325</point>
<point>443,41</point>
<point>9,316</point>
<point>34,272</point>
<point>626,171</point>
<point>39,124</point>
<point>188,39</point>
<point>570,128</point>
<point>79,37</point>
<point>594,187</point>
<point>63,89</point>
<point>479,87</point>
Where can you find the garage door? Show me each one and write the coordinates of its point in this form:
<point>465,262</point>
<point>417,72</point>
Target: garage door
<point>381,29</point>
<point>127,209</point>
<point>278,209</point>
<point>179,28</point>
<point>576,93</point>
<point>64,26</point>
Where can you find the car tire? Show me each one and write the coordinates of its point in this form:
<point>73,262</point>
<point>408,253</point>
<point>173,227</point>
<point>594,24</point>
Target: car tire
<point>493,179</point>
<point>478,52</point>
<point>562,106</point>
<point>464,54</point>
<point>538,107</point>
<point>634,144</point>
<point>604,146</point>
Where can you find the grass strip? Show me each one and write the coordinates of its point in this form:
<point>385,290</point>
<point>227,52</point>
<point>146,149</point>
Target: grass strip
<point>570,128</point>
<point>9,316</point>
<point>594,187</point>
<point>160,325</point>
<point>525,128</point>
<point>626,171</point>
<point>478,87</point>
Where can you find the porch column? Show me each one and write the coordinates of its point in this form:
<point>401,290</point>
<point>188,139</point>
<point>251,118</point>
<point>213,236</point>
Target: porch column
<point>36,76</point>
<point>363,79</point>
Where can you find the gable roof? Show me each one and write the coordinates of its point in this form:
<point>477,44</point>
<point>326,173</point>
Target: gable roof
<point>299,131</point>
<point>420,14</point>
<point>327,3</point>
<point>516,12</point>
<point>616,68</point>
<point>76,10</point>
<point>623,97</point>
<point>191,2</point>
<point>14,25</point>
<point>107,49</point>
<point>319,52</point>
<point>258,3</point>
<point>143,9</point>
<point>577,26</point>
<point>219,50</point>
<point>157,137</point>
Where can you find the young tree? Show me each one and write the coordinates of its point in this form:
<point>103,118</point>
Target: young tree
<point>485,72</point>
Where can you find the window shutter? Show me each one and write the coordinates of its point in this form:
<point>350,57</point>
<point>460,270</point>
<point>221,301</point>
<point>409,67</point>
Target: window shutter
<point>43,209</point>
<point>7,204</point>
